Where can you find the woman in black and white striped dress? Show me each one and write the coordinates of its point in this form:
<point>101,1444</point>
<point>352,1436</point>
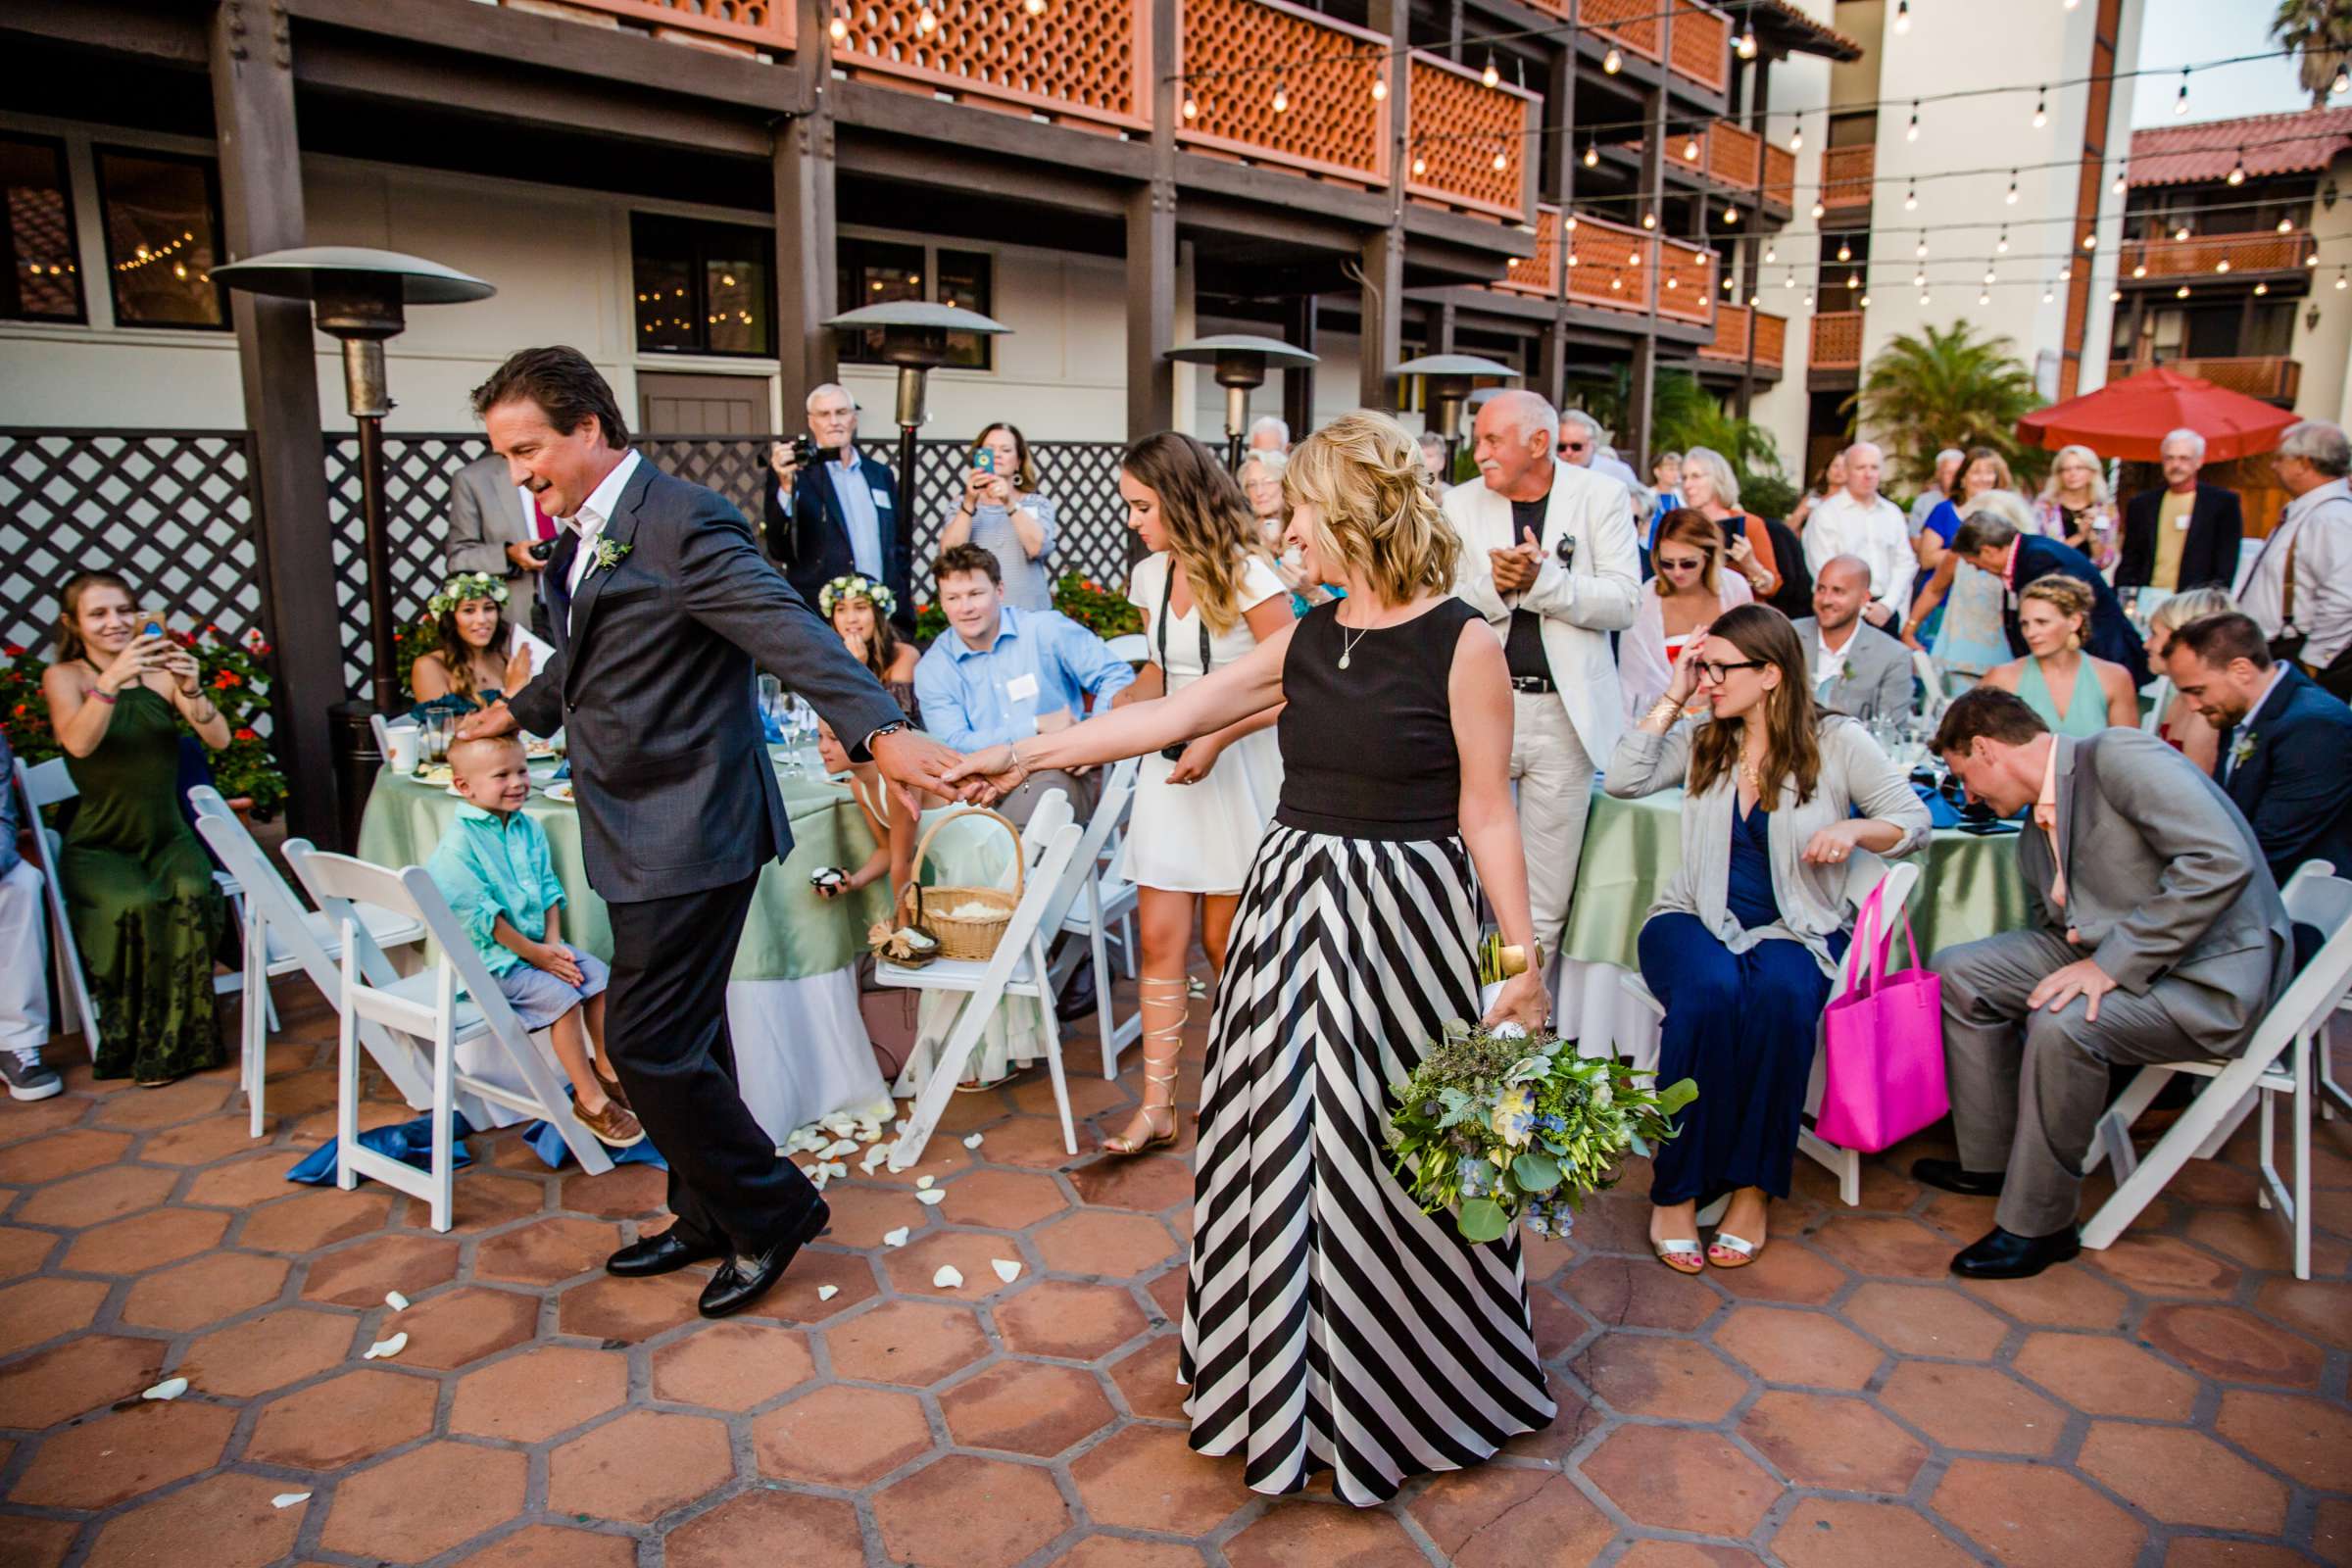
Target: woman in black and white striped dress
<point>1327,1322</point>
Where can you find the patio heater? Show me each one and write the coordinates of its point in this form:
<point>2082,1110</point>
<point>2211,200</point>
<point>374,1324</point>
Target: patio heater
<point>356,297</point>
<point>914,338</point>
<point>1242,360</point>
<point>1446,389</point>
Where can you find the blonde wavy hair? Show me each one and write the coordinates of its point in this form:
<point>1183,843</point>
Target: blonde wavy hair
<point>1362,474</point>
<point>2181,609</point>
<point>2099,495</point>
<point>1211,530</point>
<point>2069,595</point>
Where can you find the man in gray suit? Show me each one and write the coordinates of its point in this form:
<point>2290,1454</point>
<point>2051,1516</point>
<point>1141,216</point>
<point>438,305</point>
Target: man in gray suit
<point>1857,670</point>
<point>2156,935</point>
<point>662,606</point>
<point>492,526</point>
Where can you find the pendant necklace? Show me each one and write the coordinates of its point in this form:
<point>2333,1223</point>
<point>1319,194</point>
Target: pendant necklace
<point>1348,643</point>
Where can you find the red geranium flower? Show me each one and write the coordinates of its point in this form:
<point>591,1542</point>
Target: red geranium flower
<point>227,679</point>
<point>247,735</point>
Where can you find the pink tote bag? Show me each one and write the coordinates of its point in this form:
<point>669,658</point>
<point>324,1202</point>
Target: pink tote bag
<point>1883,1044</point>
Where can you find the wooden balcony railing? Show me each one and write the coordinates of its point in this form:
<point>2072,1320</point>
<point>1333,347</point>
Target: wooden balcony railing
<point>1699,45</point>
<point>1735,155</point>
<point>1845,176</point>
<point>2274,378</point>
<point>1084,62</point>
<point>1772,339</point>
<point>1779,177</point>
<point>2201,253</point>
<point>1837,341</point>
<point>1685,282</point>
<point>1633,25</point>
<point>1330,125</point>
<point>1733,326</point>
<point>765,24</point>
<point>1610,266</point>
<point>1469,141</point>
<point>1540,274</point>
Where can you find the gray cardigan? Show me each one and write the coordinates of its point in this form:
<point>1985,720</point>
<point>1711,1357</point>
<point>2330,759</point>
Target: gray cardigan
<point>1854,772</point>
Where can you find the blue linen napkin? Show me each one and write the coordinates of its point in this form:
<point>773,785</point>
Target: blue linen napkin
<point>409,1142</point>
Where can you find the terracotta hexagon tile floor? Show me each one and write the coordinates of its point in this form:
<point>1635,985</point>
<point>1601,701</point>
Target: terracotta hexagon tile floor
<point>2179,1402</point>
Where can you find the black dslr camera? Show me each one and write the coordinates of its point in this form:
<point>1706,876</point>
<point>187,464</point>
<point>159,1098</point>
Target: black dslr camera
<point>805,450</point>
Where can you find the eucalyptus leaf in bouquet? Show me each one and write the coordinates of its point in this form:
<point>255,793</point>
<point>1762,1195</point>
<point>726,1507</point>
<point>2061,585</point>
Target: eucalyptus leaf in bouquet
<point>1502,1126</point>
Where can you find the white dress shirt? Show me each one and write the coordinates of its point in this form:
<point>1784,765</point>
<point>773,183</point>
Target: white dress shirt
<point>589,522</point>
<point>2318,528</point>
<point>1873,531</point>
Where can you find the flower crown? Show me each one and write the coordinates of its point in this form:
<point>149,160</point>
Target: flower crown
<point>856,585</point>
<point>463,586</point>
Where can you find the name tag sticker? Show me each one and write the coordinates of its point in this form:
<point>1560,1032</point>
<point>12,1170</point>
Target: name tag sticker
<point>882,499</point>
<point>1021,687</point>
<point>2181,523</point>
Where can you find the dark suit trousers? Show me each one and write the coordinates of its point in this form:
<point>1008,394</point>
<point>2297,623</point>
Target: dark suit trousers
<point>666,1025</point>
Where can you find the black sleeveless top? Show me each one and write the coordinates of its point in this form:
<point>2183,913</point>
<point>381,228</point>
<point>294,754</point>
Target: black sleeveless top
<point>1367,752</point>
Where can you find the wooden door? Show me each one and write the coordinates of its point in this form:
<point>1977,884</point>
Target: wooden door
<point>671,403</point>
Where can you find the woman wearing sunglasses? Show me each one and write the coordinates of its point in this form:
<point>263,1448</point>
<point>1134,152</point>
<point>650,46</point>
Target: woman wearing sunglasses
<point>1747,933</point>
<point>1694,584</point>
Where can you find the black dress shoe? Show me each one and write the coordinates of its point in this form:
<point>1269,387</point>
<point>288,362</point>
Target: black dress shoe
<point>1077,998</point>
<point>744,1277</point>
<point>673,1249</point>
<point>2007,1255</point>
<point>1953,1177</point>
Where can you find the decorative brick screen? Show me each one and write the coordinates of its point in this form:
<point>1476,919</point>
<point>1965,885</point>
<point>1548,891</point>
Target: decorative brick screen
<point>1082,60</point>
<point>1460,128</point>
<point>1331,124</point>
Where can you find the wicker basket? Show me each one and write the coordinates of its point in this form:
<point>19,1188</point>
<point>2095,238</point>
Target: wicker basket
<point>962,936</point>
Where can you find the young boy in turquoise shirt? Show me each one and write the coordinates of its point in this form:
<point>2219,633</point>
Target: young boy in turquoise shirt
<point>494,867</point>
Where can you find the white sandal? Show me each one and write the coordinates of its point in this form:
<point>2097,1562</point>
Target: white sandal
<point>1746,1251</point>
<point>1669,1252</point>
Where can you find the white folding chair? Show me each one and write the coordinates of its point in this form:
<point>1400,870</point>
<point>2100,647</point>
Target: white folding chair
<point>42,786</point>
<point>1863,872</point>
<point>282,938</point>
<point>1090,897</point>
<point>1017,969</point>
<point>1933,698</point>
<point>1130,648</point>
<point>424,1007</point>
<point>2277,1060</point>
<point>2153,720</point>
<point>233,880</point>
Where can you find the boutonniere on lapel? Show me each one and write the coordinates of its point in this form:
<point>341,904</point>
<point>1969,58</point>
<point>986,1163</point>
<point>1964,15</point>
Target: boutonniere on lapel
<point>609,554</point>
<point>2243,750</point>
<point>1845,670</point>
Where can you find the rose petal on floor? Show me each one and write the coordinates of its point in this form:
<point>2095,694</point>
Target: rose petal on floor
<point>972,1142</point>
<point>169,1389</point>
<point>1006,1269</point>
<point>385,1349</point>
<point>896,1237</point>
<point>949,1278</point>
<point>287,1499</point>
<point>396,1302</point>
<point>826,1292</point>
<point>924,1183</point>
<point>931,1195</point>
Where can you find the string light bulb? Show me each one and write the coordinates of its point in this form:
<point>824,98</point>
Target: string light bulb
<point>1846,252</point>
<point>2182,292</point>
<point>1731,214</point>
<point>1690,148</point>
<point>2120,185</point>
<point>2048,295</point>
<point>839,27</point>
<point>1923,296</point>
<point>1902,15</point>
<point>1490,76</point>
<point>1807,301</point>
<point>1911,131</point>
<point>1911,199</point>
<point>2286,225</point>
<point>1853,280</point>
<point>1772,254</point>
<point>1592,154</point>
<point>2140,270</point>
<point>2342,83</point>
<point>1282,97</point>
<point>1796,135</point>
<point>2340,283</point>
<point>1983,296</point>
<point>1502,159</point>
<point>2011,198</point>
<point>2066,275</point>
<point>1919,279</point>
<point>2238,169</point>
<point>1380,87</point>
<point>928,22</point>
<point>1863,302</point>
<point>2181,233</point>
<point>2181,102</point>
<point>2222,266</point>
<point>2000,246</point>
<point>1191,106</point>
<point>1420,164</point>
<point>1818,209</point>
<point>1754,300</point>
<point>2042,109</point>
<point>1921,249</point>
<point>1745,44</point>
<point>2261,289</point>
<point>2090,241</point>
<point>1612,62</point>
<point>2115,296</point>
<point>1650,220</point>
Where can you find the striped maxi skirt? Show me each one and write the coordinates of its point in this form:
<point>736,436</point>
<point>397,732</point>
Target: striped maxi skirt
<point>1327,1322</point>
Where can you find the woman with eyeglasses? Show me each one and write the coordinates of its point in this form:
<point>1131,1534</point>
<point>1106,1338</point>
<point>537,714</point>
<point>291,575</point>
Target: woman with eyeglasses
<point>1748,932</point>
<point>1691,588</point>
<point>1260,474</point>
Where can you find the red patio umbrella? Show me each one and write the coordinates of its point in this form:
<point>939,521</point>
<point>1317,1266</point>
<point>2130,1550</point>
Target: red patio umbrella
<point>2127,419</point>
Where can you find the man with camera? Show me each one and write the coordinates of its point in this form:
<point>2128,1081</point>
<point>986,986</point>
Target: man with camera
<point>831,510</point>
<point>495,528</point>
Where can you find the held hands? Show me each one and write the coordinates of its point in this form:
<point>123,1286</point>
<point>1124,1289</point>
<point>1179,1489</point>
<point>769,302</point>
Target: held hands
<point>2081,978</point>
<point>1523,1000</point>
<point>916,764</point>
<point>985,777</point>
<point>1199,758</point>
<point>556,959</point>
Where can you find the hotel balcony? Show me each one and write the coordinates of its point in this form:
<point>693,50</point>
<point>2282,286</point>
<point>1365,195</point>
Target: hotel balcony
<point>1846,176</point>
<point>1690,42</point>
<point>2271,377</point>
<point>1836,363</point>
<point>1737,329</point>
<point>2171,262</point>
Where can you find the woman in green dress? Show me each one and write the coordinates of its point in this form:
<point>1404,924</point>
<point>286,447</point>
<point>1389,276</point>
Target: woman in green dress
<point>139,888</point>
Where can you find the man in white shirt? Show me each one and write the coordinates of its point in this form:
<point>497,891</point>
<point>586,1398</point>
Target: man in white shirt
<point>2316,537</point>
<point>1549,559</point>
<point>1859,522</point>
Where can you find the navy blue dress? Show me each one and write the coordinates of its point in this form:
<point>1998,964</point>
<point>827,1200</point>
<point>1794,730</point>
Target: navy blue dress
<point>1742,1025</point>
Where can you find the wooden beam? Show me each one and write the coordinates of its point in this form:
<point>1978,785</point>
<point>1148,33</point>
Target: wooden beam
<point>808,228</point>
<point>1299,384</point>
<point>261,200</point>
<point>176,38</point>
<point>1151,250</point>
<point>864,153</point>
<point>522,43</point>
<point>976,130</point>
<point>1382,262</point>
<point>1269,188</point>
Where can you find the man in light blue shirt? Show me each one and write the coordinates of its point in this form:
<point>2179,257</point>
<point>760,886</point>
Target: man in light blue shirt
<point>1001,673</point>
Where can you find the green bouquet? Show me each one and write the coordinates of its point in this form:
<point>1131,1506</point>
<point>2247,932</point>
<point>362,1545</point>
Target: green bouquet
<point>1501,1125</point>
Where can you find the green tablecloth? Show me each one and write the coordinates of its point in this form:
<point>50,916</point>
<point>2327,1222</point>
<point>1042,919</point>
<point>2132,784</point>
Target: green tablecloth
<point>1970,887</point>
<point>791,934</point>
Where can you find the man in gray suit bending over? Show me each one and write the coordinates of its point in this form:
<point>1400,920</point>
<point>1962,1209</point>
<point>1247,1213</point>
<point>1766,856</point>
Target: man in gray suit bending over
<point>1857,670</point>
<point>2156,935</point>
<point>662,606</point>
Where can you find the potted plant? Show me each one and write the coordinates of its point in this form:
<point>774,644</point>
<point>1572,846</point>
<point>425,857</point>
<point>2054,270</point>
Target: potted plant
<point>231,671</point>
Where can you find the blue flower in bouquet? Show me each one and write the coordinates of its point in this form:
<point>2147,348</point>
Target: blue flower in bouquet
<point>1475,1174</point>
<point>1514,1118</point>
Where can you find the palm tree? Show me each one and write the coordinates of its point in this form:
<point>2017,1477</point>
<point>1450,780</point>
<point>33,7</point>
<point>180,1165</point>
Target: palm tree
<point>1950,388</point>
<point>2320,32</point>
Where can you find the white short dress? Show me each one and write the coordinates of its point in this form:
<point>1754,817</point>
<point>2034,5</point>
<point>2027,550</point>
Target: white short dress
<point>1201,838</point>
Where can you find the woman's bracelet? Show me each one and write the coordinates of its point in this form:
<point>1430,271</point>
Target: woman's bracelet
<point>1665,710</point>
<point>103,695</point>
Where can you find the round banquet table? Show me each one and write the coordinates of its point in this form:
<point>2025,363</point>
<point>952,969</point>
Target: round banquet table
<point>1969,888</point>
<point>801,1050</point>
